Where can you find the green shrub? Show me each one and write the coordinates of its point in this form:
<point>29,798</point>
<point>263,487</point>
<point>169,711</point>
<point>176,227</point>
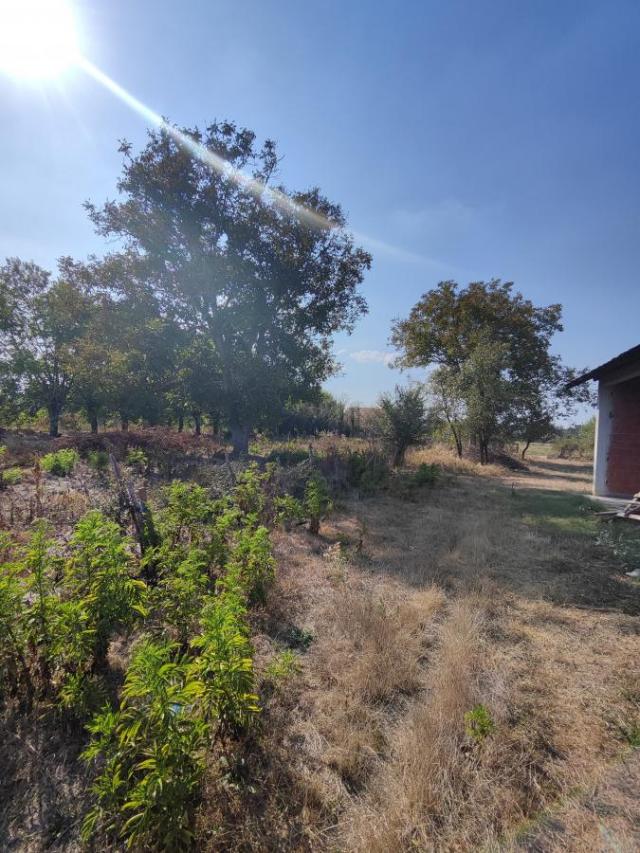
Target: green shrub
<point>288,509</point>
<point>97,573</point>
<point>11,476</point>
<point>224,663</point>
<point>366,470</point>
<point>317,501</point>
<point>426,475</point>
<point>181,593</point>
<point>151,753</point>
<point>404,421</point>
<point>284,666</point>
<point>479,723</point>
<point>61,463</point>
<point>288,456</point>
<point>98,459</point>
<point>249,494</point>
<point>137,458</point>
<point>251,566</point>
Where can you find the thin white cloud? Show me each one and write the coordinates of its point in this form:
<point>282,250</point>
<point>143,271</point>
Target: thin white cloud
<point>373,356</point>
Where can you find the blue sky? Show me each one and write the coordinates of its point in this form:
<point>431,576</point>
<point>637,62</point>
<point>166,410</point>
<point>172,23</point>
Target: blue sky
<point>474,139</point>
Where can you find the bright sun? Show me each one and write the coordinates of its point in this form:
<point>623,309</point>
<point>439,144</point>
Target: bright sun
<point>37,38</point>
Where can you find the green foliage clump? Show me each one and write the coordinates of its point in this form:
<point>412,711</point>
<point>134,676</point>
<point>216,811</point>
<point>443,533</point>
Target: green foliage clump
<point>317,501</point>
<point>181,593</point>
<point>61,463</point>
<point>284,666</point>
<point>577,442</point>
<point>250,494</point>
<point>58,615</point>
<point>136,458</point>
<point>11,476</point>
<point>97,573</point>
<point>224,663</point>
<point>98,460</point>
<point>251,566</point>
<point>288,509</point>
<point>150,752</point>
<point>426,475</point>
<point>403,420</point>
<point>479,723</point>
<point>366,470</point>
<point>191,676</point>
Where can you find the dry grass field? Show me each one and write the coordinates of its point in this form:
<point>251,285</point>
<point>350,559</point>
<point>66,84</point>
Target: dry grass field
<point>459,670</point>
<point>485,591</point>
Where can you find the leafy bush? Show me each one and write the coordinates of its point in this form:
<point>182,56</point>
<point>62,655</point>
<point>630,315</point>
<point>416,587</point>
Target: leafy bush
<point>98,574</point>
<point>426,475</point>
<point>251,566</point>
<point>478,723</point>
<point>181,593</point>
<point>250,492</point>
<point>11,476</point>
<point>225,662</point>
<point>317,501</point>
<point>288,456</point>
<point>151,752</point>
<point>578,444</point>
<point>61,463</point>
<point>403,421</point>
<point>98,459</point>
<point>137,458</point>
<point>288,509</point>
<point>366,470</point>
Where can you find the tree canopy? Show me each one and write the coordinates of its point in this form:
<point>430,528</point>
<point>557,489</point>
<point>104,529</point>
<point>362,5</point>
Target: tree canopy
<point>495,373</point>
<point>264,285</point>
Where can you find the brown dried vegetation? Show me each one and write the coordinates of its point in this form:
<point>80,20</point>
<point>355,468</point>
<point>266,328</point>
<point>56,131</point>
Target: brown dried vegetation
<point>486,590</point>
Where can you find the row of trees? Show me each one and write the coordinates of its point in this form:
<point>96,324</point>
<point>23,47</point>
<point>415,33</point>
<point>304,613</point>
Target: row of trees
<point>218,301</point>
<point>493,377</point>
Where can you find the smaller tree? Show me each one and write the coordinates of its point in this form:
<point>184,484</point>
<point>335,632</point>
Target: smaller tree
<point>40,325</point>
<point>445,390</point>
<point>487,394</point>
<point>403,420</point>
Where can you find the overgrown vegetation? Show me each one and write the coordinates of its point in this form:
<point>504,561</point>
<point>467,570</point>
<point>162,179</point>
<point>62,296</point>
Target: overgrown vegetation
<point>60,463</point>
<point>189,684</point>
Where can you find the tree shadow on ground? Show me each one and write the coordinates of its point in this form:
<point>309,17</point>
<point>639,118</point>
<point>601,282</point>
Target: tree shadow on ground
<point>563,468</point>
<point>538,544</point>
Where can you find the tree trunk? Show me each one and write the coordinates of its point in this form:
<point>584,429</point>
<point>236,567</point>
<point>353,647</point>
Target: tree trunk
<point>197,420</point>
<point>124,423</point>
<point>398,456</point>
<point>524,449</point>
<point>180,422</point>
<point>239,439</point>
<point>54,420</point>
<point>457,439</point>
<point>93,420</point>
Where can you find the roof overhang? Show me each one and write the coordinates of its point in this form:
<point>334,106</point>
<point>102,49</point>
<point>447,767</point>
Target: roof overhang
<point>609,368</point>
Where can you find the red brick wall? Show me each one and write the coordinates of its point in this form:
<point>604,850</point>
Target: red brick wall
<point>623,466</point>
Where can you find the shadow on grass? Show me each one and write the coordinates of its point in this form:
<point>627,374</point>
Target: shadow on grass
<point>562,468</point>
<point>555,511</point>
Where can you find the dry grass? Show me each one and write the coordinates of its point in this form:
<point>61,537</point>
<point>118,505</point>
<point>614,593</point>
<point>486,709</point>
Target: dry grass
<point>487,589</point>
<point>475,594</point>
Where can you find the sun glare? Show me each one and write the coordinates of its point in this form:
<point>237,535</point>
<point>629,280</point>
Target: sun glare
<point>37,38</point>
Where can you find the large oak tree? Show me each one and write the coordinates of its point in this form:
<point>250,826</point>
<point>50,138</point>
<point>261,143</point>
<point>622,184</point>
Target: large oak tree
<point>267,286</point>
